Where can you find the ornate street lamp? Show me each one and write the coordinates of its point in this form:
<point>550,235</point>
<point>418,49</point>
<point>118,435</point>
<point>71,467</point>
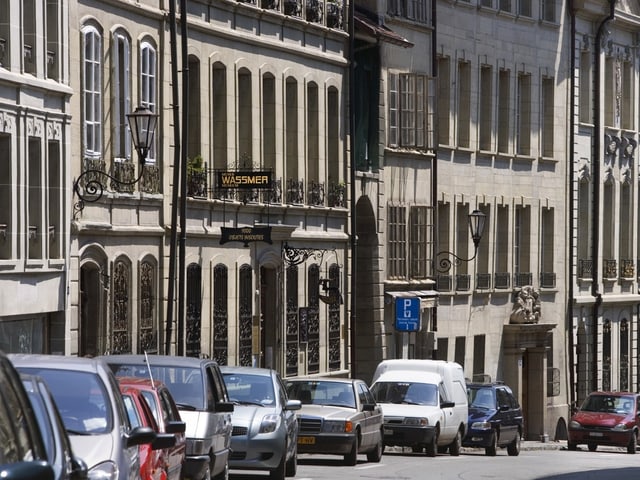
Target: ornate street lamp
<point>142,124</point>
<point>476,227</point>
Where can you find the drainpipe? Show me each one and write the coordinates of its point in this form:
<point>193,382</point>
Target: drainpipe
<point>352,192</point>
<point>595,161</point>
<point>434,172</point>
<point>572,243</point>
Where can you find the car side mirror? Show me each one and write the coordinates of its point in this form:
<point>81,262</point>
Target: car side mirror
<point>163,440</point>
<point>140,436</point>
<point>79,469</point>
<point>447,404</point>
<point>174,426</point>
<point>293,405</point>
<point>224,407</point>
<point>27,471</point>
<point>368,407</point>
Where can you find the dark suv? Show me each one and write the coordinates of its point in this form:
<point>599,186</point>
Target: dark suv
<point>495,418</point>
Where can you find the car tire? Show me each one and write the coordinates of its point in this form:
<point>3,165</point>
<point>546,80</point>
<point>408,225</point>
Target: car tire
<point>572,446</point>
<point>633,443</point>
<point>375,455</point>
<point>592,447</point>
<point>432,448</point>
<point>417,449</point>
<point>291,467</point>
<point>513,449</point>
<point>454,448</point>
<point>279,472</point>
<point>492,449</point>
<point>351,458</point>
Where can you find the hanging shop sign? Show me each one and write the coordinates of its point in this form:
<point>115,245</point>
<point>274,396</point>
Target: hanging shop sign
<point>244,179</point>
<point>246,235</point>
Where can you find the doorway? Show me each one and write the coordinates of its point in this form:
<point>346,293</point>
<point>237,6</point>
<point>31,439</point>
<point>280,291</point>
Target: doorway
<point>270,327</point>
<point>92,334</point>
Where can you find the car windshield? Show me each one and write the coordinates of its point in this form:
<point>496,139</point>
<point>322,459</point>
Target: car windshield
<point>81,398</point>
<point>405,392</point>
<point>608,404</point>
<point>185,383</point>
<point>249,389</point>
<point>314,392</point>
<point>483,397</point>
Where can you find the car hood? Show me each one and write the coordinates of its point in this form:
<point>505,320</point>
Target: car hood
<point>405,410</point>
<point>602,419</point>
<point>93,449</point>
<point>246,415</point>
<point>481,414</point>
<point>326,411</point>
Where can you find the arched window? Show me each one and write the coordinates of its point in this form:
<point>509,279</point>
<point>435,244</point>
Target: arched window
<point>92,92</point>
<point>148,86</point>
<point>121,101</point>
<point>220,314</point>
<point>121,319</point>
<point>335,347</point>
<point>245,309</point>
<point>606,355</point>
<point>313,319</point>
<point>194,310</point>
<point>148,328</point>
<point>291,328</point>
<point>624,356</point>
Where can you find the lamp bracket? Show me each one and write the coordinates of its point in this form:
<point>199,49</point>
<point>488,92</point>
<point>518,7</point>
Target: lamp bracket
<point>299,255</point>
<point>445,264</point>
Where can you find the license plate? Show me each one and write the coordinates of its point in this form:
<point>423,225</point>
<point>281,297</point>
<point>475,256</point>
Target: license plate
<point>388,431</point>
<point>307,440</point>
<point>596,434</point>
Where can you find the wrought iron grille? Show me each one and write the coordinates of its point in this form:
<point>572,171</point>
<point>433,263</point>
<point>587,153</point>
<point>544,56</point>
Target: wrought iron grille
<point>585,268</point>
<point>483,281</point>
<point>120,339</point>
<point>246,315</point>
<point>547,280</point>
<point>627,268</point>
<point>501,280</point>
<point>313,328</point>
<point>148,334</point>
<point>624,356</point>
<point>334,321</point>
<point>220,314</point>
<point>463,282</point>
<point>292,321</point>
<point>522,279</point>
<point>124,173</point>
<point>609,269</point>
<point>443,283</point>
<point>194,310</point>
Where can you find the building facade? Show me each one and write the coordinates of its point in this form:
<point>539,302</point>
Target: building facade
<point>35,136</point>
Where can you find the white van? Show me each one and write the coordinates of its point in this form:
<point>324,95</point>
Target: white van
<point>424,403</point>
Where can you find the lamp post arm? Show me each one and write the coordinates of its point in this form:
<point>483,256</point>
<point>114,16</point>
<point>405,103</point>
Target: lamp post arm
<point>445,264</point>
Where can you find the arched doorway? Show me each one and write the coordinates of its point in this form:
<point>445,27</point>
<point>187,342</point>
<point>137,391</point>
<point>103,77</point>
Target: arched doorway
<point>92,335</point>
<point>270,325</point>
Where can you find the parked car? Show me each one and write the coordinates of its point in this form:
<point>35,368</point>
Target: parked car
<point>424,403</point>
<point>606,418</point>
<point>166,416</point>
<point>495,419</point>
<point>264,420</point>
<point>92,409</point>
<point>338,416</point>
<point>198,389</point>
<point>65,464</point>
<point>23,455</point>
<point>152,456</point>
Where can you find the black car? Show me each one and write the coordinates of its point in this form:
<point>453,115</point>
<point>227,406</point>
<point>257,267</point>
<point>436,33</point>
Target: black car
<point>495,418</point>
<point>23,455</point>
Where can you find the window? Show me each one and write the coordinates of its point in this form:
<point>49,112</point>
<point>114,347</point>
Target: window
<point>420,240</point>
<point>505,5</point>
<point>479,342</point>
<point>121,96</point>
<point>486,107</point>
<point>410,107</point>
<point>524,8</point>
<point>313,145</point>
<point>148,86</point>
<point>333,143</point>
<point>36,233</point>
<point>521,240</point>
<point>504,110</point>
<point>626,102</point>
<point>92,92</point>
<point>291,138</point>
<point>444,99</point>
<point>219,115</point>
<point>547,248</point>
<point>194,310</point>
<point>55,205</point>
<point>148,332</point>
<point>524,114</point>
<point>460,350</point>
<point>462,236</point>
<point>269,131</point>
<point>220,314</point>
<point>244,123</point>
<point>417,10</point>
<point>245,317</point>
<point>5,34</point>
<point>549,10</point>
<point>464,103</point>
<point>397,245</point>
<point>548,106</point>
<point>53,59</point>
<point>608,98</point>
<point>121,320</point>
<point>30,37</point>
<point>502,239</point>
<point>585,86</point>
<point>194,134</point>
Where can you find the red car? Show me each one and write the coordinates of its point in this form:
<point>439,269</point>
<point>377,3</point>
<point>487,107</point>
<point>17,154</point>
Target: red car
<point>155,407</point>
<point>606,418</point>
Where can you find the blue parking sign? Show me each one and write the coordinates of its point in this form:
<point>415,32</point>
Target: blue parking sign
<point>408,314</point>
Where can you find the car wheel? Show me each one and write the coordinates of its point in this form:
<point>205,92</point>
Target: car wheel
<point>572,446</point>
<point>432,448</point>
<point>291,466</point>
<point>492,449</point>
<point>279,472</point>
<point>633,443</point>
<point>592,447</point>
<point>351,458</point>
<point>375,455</point>
<point>513,449</point>
<point>454,448</point>
<point>223,475</point>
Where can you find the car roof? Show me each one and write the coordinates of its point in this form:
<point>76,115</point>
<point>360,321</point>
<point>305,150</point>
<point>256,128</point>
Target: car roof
<point>264,372</point>
<point>484,385</point>
<point>405,376</point>
<point>615,394</point>
<point>323,379</point>
<point>59,362</point>
<point>158,360</point>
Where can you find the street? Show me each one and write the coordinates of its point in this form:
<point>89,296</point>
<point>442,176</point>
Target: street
<point>555,464</point>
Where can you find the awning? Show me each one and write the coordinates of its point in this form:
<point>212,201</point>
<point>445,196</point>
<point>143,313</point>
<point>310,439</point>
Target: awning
<point>363,24</point>
<point>428,298</point>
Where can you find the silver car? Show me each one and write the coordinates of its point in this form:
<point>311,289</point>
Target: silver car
<point>338,416</point>
<point>198,389</point>
<point>265,430</point>
<point>88,398</point>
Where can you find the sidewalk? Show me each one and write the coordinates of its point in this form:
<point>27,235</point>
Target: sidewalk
<point>525,445</point>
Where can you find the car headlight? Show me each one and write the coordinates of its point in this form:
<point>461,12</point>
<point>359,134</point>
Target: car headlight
<point>481,426</point>
<point>103,471</point>
<point>418,421</point>
<point>270,423</point>
<point>574,424</point>
<point>621,427</point>
<point>195,447</point>
<point>337,426</point>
